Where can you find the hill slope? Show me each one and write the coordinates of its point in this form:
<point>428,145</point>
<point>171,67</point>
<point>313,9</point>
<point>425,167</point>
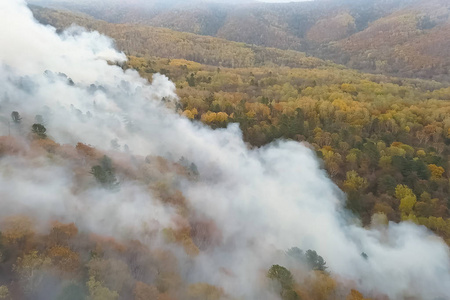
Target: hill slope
<point>146,40</point>
<point>401,38</point>
<point>411,42</point>
<point>113,189</point>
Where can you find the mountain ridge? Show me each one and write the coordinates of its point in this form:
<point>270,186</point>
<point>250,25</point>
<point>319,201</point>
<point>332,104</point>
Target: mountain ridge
<point>349,32</point>
<point>142,40</point>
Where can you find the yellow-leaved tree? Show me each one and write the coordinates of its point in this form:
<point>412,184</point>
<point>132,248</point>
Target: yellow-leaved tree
<point>436,171</point>
<point>354,182</point>
<point>407,200</point>
<point>98,292</point>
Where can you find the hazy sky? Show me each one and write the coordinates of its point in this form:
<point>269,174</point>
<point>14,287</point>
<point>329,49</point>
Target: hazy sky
<point>223,1</point>
<point>282,1</point>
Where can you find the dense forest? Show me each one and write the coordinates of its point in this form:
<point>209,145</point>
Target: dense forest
<point>393,37</point>
<point>376,134</point>
<point>63,262</point>
<point>193,167</point>
<point>384,141</point>
<point>145,40</point>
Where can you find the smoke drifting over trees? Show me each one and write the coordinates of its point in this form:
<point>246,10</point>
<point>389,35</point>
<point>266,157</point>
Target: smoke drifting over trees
<point>244,207</point>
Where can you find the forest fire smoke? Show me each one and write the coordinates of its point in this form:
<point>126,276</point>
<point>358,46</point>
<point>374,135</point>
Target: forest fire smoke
<point>249,205</point>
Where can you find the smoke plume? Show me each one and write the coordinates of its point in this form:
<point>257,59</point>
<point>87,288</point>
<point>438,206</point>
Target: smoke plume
<point>263,201</point>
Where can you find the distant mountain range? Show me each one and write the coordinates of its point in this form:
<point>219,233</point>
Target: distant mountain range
<point>143,40</point>
<point>408,38</point>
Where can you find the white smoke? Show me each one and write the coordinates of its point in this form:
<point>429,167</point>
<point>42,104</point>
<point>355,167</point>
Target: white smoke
<point>263,200</point>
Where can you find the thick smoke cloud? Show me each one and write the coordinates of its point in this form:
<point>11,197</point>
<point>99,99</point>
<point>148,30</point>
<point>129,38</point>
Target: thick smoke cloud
<point>263,200</point>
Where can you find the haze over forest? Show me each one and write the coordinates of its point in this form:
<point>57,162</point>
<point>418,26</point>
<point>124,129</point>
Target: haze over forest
<point>205,150</point>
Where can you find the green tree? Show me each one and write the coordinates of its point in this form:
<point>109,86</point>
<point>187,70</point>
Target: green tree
<point>193,169</point>
<point>315,261</point>
<point>386,184</point>
<point>39,130</point>
<point>191,80</point>
<point>15,116</point>
<point>282,275</point>
<point>104,173</point>
<point>296,253</point>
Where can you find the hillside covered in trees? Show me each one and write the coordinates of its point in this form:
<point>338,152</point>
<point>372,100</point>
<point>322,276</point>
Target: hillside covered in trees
<point>146,40</point>
<point>196,168</point>
<point>400,38</point>
<point>376,134</point>
<point>63,261</point>
<point>380,140</point>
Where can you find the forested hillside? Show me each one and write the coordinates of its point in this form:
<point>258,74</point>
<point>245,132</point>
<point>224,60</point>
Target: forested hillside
<point>385,142</point>
<point>63,261</point>
<point>377,135</point>
<point>191,167</point>
<point>402,38</point>
<point>146,40</point>
<point>412,42</point>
